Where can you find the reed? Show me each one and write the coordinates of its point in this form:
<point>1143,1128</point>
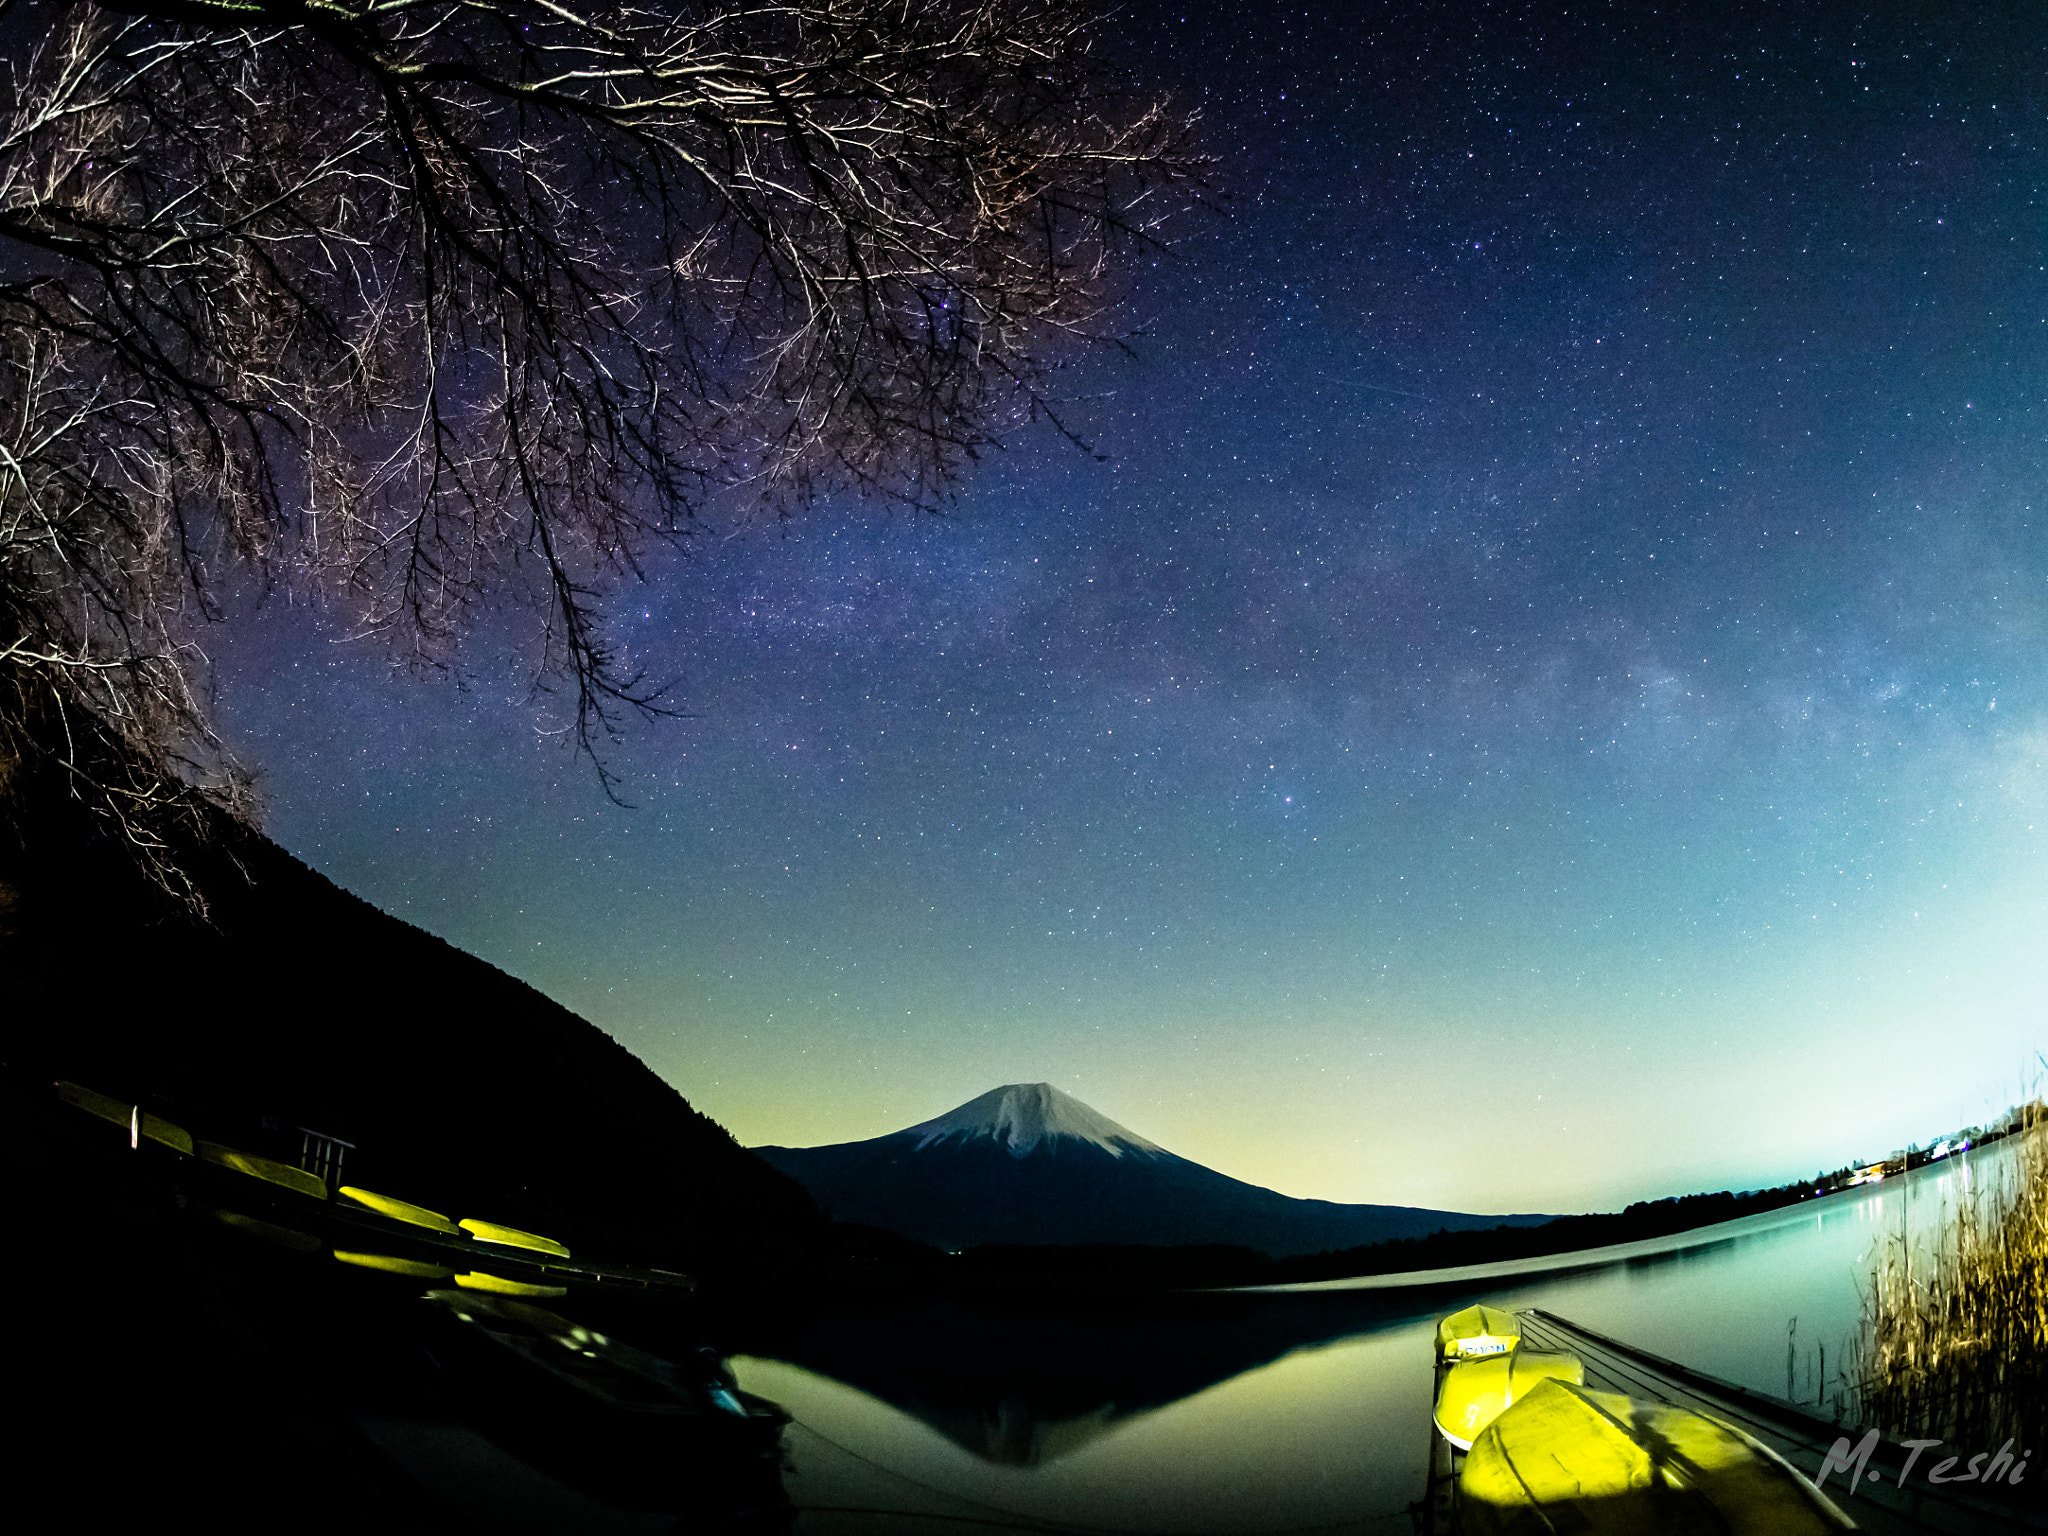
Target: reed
<point>1954,1339</point>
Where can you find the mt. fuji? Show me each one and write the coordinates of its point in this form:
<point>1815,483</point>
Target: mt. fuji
<point>1023,1116</point>
<point>1029,1164</point>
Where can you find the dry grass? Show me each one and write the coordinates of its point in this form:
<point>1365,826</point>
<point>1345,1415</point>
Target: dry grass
<point>1955,1326</point>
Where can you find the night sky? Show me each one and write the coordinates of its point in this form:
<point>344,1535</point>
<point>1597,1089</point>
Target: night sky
<point>1542,703</point>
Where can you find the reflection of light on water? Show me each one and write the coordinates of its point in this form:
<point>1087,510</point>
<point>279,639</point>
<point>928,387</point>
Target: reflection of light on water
<point>1336,1431</point>
<point>1308,1439</point>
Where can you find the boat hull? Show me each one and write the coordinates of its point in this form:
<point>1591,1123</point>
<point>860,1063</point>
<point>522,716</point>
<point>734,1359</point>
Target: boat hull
<point>1476,1332</point>
<point>1568,1458</point>
<point>1473,1393</point>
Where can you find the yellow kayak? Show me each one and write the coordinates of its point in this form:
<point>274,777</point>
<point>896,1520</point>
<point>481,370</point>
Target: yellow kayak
<point>1476,1392</point>
<point>1600,1464</point>
<point>401,1210</point>
<point>269,1170</point>
<point>139,1123</point>
<point>477,1280</point>
<point>511,1237</point>
<point>389,1264</point>
<point>1476,1331</point>
<point>270,1232</point>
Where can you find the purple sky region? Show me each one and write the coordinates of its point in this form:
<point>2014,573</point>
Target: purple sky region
<point>1542,701</point>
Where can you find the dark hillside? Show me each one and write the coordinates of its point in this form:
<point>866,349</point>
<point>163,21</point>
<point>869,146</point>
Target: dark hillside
<point>1067,1193</point>
<point>297,1005</point>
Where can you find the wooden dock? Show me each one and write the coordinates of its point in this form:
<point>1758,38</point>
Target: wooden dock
<point>1800,1435</point>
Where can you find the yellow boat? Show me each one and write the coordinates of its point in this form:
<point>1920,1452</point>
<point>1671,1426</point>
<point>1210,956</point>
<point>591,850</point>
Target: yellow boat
<point>1476,1331</point>
<point>1476,1392</point>
<point>1600,1464</point>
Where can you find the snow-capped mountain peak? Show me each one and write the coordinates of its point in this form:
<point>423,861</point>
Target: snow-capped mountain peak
<point>1020,1116</point>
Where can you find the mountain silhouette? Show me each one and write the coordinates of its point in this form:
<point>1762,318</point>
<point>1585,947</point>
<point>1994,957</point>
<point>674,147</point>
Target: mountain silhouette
<point>1026,1164</point>
<point>292,1005</point>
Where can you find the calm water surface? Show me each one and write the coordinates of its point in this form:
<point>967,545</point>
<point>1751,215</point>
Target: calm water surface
<point>1281,1411</point>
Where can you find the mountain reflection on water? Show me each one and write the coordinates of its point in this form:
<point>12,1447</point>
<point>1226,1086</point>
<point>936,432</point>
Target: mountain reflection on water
<point>1272,1412</point>
<point>1025,1386</point>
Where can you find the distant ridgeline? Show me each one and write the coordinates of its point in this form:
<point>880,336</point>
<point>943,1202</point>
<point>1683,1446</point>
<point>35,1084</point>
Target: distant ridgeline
<point>303,1021</point>
<point>1132,1265</point>
<point>1565,1234</point>
<point>1027,1185</point>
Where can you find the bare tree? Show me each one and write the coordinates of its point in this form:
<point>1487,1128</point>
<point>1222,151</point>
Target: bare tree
<point>451,303</point>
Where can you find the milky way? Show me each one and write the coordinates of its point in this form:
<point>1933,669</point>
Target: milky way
<point>1536,698</point>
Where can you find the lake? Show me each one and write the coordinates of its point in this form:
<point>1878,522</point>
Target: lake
<point>1285,1410</point>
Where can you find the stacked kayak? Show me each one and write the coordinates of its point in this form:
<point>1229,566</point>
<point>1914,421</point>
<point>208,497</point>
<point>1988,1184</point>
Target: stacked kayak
<point>1566,1458</point>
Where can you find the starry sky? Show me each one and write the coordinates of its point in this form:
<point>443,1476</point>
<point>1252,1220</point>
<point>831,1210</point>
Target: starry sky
<point>1540,702</point>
